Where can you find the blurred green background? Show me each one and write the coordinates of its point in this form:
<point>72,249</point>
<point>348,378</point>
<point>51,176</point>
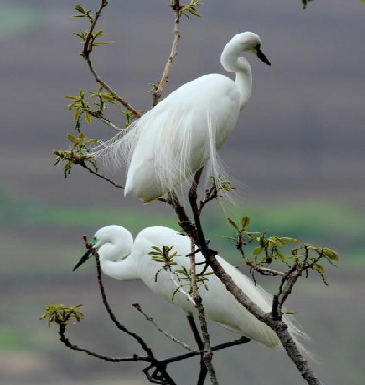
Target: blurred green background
<point>298,150</point>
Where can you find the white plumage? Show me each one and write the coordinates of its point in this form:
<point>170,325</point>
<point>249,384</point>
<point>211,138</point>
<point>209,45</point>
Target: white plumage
<point>122,259</point>
<point>182,133</point>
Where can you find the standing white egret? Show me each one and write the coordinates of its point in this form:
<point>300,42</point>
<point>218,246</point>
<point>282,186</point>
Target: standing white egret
<point>183,132</point>
<point>122,259</point>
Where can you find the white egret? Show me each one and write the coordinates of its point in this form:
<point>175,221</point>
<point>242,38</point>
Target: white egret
<point>122,259</point>
<point>183,132</point>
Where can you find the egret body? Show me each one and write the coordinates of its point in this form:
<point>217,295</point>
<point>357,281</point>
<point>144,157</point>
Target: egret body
<point>123,259</point>
<point>183,132</point>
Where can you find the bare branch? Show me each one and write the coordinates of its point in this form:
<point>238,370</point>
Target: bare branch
<point>112,316</point>
<point>66,342</point>
<point>263,270</point>
<point>165,75</point>
<point>225,345</point>
<point>169,336</point>
<point>87,49</point>
<point>84,165</point>
<point>106,121</point>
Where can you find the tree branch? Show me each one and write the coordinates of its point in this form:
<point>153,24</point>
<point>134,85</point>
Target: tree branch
<point>66,342</point>
<point>112,316</point>
<point>87,49</point>
<point>195,231</point>
<point>165,75</point>
<point>84,165</point>
<point>169,336</point>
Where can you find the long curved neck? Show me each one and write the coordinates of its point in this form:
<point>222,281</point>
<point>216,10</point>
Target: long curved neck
<point>233,62</point>
<point>244,83</point>
<point>123,269</point>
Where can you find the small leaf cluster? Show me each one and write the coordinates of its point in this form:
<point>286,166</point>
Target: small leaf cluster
<point>82,12</point>
<point>94,106</point>
<point>84,35</point>
<point>62,314</point>
<point>78,153</point>
<point>225,185</point>
<point>183,274</point>
<point>188,9</point>
<point>163,256</point>
<point>275,248</point>
<point>129,117</point>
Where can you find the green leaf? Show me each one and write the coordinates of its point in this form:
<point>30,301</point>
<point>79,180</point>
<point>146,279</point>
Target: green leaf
<point>245,222</point>
<point>103,42</point>
<point>233,224</point>
<point>76,114</point>
<point>288,239</point>
<point>331,254</point>
<point>318,268</point>
<point>257,250</point>
<point>280,255</point>
<point>80,8</point>
<point>87,117</point>
<point>71,138</point>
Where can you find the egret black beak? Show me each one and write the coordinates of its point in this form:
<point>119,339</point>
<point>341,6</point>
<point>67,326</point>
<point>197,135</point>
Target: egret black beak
<point>83,259</point>
<point>262,56</point>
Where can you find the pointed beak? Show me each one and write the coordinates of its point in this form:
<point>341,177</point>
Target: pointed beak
<point>83,259</point>
<point>262,57</point>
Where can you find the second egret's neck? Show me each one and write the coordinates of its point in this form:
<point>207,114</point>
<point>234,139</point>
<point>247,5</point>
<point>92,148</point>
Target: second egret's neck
<point>113,264</point>
<point>232,61</point>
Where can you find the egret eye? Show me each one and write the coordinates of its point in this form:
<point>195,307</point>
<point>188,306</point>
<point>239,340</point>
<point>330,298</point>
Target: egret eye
<point>95,239</point>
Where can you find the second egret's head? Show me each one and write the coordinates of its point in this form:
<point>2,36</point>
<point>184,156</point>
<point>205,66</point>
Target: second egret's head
<point>112,242</point>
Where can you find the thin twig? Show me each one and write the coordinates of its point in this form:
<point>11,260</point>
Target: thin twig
<point>264,270</point>
<point>110,89</point>
<point>180,289</point>
<point>171,337</point>
<point>112,316</point>
<point>222,346</point>
<point>84,165</point>
<point>66,342</point>
<point>87,49</point>
<point>210,194</point>
<point>105,121</point>
<point>165,75</point>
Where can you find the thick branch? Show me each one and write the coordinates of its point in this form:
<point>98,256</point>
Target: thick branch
<point>165,75</point>
<point>208,355</point>
<point>195,231</point>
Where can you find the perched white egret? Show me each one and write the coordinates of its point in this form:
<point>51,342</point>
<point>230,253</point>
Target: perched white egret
<point>183,132</point>
<point>123,259</point>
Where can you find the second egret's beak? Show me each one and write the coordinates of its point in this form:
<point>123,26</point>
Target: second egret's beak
<point>262,56</point>
<point>83,259</point>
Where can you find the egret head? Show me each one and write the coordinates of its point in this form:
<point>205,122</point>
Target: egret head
<point>112,242</point>
<point>249,42</point>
